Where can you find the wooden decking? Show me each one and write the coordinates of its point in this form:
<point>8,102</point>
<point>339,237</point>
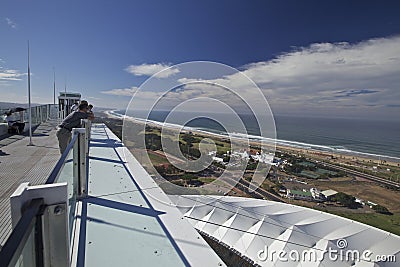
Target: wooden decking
<point>22,163</point>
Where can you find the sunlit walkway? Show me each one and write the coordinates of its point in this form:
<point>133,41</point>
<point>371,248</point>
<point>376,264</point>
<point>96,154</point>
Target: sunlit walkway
<point>127,219</point>
<point>22,163</point>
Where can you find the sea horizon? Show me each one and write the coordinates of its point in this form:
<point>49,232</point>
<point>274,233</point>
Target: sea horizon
<point>368,138</point>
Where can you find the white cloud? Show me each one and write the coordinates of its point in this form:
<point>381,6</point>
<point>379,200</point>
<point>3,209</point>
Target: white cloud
<point>338,78</point>
<point>10,75</point>
<point>121,92</point>
<point>11,23</point>
<point>321,70</point>
<point>162,70</point>
<point>323,78</point>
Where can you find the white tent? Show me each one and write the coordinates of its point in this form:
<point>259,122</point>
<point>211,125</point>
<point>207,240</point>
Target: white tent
<point>304,237</point>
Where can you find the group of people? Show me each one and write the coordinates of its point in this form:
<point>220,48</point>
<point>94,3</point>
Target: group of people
<point>15,125</point>
<point>82,111</point>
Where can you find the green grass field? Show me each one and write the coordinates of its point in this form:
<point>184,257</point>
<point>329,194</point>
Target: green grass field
<point>157,160</point>
<point>207,180</point>
<point>390,223</point>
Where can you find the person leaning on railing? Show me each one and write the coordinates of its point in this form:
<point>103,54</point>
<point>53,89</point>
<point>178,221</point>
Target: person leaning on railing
<point>17,125</point>
<point>73,120</point>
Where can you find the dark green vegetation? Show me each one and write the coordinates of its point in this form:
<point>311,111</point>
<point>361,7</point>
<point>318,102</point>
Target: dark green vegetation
<point>303,168</point>
<point>390,223</point>
<point>346,200</point>
<point>381,209</point>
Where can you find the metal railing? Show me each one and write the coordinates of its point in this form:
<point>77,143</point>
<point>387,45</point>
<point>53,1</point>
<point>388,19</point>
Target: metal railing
<point>39,113</point>
<point>44,216</point>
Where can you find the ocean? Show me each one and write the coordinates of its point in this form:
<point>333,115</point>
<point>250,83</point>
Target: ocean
<point>373,138</point>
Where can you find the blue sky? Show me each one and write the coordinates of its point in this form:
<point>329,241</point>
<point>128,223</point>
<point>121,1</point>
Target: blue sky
<point>333,58</point>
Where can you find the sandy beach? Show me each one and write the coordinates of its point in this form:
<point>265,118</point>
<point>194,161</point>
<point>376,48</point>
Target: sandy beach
<point>337,157</point>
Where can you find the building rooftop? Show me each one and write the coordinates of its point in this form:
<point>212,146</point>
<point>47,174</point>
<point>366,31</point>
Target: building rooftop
<point>255,228</point>
<point>300,192</point>
<point>329,192</point>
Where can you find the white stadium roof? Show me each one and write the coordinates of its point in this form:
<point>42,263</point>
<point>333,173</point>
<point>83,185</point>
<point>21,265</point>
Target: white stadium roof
<point>279,234</point>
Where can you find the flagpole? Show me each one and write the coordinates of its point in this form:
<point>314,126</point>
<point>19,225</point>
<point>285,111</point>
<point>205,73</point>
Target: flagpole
<point>54,86</point>
<point>29,101</point>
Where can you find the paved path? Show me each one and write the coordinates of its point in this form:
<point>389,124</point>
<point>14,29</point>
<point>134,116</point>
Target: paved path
<point>126,219</point>
<point>22,163</point>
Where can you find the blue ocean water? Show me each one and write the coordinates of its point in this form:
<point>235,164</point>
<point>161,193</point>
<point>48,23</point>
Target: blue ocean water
<point>375,137</point>
<point>368,136</point>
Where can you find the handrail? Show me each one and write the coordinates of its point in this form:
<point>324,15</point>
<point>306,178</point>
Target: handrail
<point>17,240</point>
<point>56,171</point>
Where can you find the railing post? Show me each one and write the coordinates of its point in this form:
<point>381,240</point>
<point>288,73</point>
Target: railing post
<point>88,126</point>
<point>75,160</point>
<point>79,159</point>
<point>52,237</point>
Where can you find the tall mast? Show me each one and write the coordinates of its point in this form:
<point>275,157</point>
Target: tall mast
<point>54,86</point>
<point>29,101</point>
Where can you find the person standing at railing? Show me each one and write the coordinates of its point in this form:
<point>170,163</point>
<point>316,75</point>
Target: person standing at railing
<point>73,120</point>
<point>17,125</point>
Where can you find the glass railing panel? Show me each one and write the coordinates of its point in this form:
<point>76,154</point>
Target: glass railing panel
<point>20,248</point>
<point>66,174</point>
<point>28,255</point>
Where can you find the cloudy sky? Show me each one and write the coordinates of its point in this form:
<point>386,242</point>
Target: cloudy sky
<point>325,58</point>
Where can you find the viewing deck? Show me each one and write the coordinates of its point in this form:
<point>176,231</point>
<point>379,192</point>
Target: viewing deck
<point>123,219</point>
<point>22,163</point>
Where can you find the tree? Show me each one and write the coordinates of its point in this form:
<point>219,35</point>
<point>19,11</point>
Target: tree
<point>160,169</point>
<point>381,209</point>
<point>188,176</point>
<point>189,139</point>
<point>227,158</point>
<point>346,200</point>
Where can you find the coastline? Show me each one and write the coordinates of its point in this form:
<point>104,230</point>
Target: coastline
<point>318,151</point>
<point>351,184</point>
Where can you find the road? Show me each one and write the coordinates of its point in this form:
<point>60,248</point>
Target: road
<point>243,185</point>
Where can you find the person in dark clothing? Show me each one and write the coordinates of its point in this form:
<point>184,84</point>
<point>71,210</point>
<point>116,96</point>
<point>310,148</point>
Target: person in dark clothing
<point>17,125</point>
<point>73,120</point>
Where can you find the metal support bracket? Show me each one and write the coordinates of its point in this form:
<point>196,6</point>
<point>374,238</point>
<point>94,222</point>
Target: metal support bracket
<point>54,221</point>
<point>51,194</point>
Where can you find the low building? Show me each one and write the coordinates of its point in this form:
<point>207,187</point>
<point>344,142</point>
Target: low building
<point>264,158</point>
<point>299,195</point>
<point>329,194</point>
<point>242,155</point>
<point>217,159</point>
<point>212,153</point>
<point>317,195</point>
